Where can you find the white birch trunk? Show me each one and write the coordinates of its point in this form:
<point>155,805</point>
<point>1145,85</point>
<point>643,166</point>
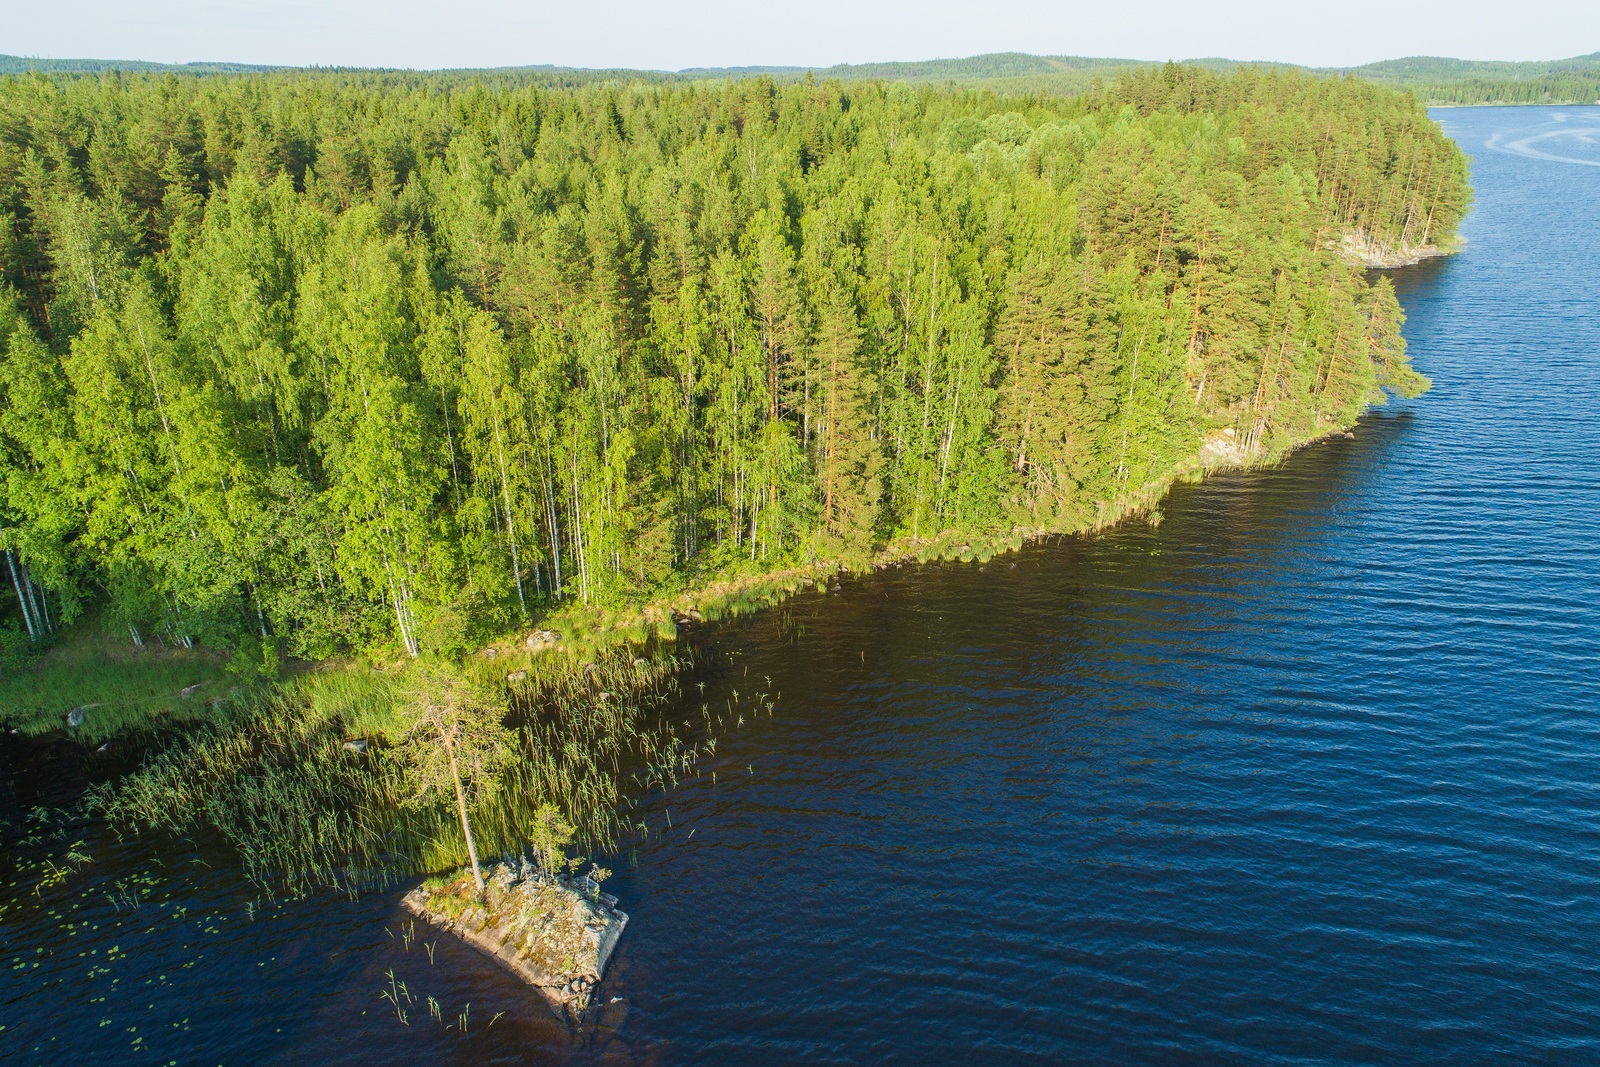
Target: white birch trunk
<point>22,601</point>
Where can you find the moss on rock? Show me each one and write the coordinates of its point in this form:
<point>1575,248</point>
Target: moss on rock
<point>554,932</point>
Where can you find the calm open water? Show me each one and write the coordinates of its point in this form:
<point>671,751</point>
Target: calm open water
<point>1308,773</point>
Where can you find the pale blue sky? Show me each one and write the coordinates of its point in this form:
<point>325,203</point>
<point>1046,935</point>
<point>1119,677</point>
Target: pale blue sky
<point>672,34</point>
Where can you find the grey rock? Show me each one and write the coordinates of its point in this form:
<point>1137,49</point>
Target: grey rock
<point>1222,448</point>
<point>555,933</point>
<point>358,746</point>
<point>541,639</point>
<point>75,718</point>
<point>517,676</point>
<point>1363,251</point>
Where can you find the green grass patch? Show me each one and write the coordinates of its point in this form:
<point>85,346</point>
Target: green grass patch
<point>119,688</point>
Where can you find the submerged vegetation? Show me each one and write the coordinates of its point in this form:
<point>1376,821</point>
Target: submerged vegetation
<point>385,368</point>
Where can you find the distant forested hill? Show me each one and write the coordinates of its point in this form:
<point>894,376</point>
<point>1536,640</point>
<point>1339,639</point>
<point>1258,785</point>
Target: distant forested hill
<point>1434,80</point>
<point>24,64</point>
<point>1456,81</point>
<point>321,361</point>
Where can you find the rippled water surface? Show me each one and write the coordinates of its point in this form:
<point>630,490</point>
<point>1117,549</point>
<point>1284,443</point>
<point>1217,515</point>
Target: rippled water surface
<point>1307,773</point>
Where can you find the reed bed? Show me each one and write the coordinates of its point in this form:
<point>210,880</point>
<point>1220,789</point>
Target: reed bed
<point>274,777</point>
<point>274,780</point>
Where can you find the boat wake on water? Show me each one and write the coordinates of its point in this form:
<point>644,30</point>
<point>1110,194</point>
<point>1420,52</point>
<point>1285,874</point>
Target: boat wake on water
<point>1577,144</point>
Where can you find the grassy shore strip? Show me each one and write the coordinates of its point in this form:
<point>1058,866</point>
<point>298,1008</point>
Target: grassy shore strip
<point>110,688</point>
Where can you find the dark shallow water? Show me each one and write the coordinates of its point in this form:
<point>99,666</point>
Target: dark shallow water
<point>1308,773</point>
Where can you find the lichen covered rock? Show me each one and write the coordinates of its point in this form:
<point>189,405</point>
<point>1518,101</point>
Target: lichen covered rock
<point>555,933</point>
<point>1223,448</point>
<point>1362,250</point>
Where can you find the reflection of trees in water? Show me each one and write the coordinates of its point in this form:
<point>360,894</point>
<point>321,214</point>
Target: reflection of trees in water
<point>1418,278</point>
<point>1098,603</point>
<point>1240,522</point>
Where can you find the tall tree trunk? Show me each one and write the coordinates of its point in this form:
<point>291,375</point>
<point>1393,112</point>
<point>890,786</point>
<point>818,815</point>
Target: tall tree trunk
<point>461,806</point>
<point>511,517</point>
<point>22,601</point>
<point>1133,382</point>
<point>833,421</point>
<point>44,609</point>
<point>41,619</point>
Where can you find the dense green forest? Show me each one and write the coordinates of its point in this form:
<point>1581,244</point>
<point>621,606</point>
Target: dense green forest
<point>295,363</point>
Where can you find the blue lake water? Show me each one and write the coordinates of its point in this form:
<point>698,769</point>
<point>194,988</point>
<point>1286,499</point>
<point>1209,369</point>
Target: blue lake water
<point>1310,772</point>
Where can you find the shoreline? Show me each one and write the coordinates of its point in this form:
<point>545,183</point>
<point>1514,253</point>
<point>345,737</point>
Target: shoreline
<point>739,595</point>
<point>589,634</point>
<point>579,656</point>
<point>1365,254</point>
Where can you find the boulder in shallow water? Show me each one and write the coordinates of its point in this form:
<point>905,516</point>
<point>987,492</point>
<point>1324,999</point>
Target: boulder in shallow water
<point>555,933</point>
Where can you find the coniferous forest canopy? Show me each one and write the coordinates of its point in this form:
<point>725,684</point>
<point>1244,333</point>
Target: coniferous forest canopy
<point>319,362</point>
